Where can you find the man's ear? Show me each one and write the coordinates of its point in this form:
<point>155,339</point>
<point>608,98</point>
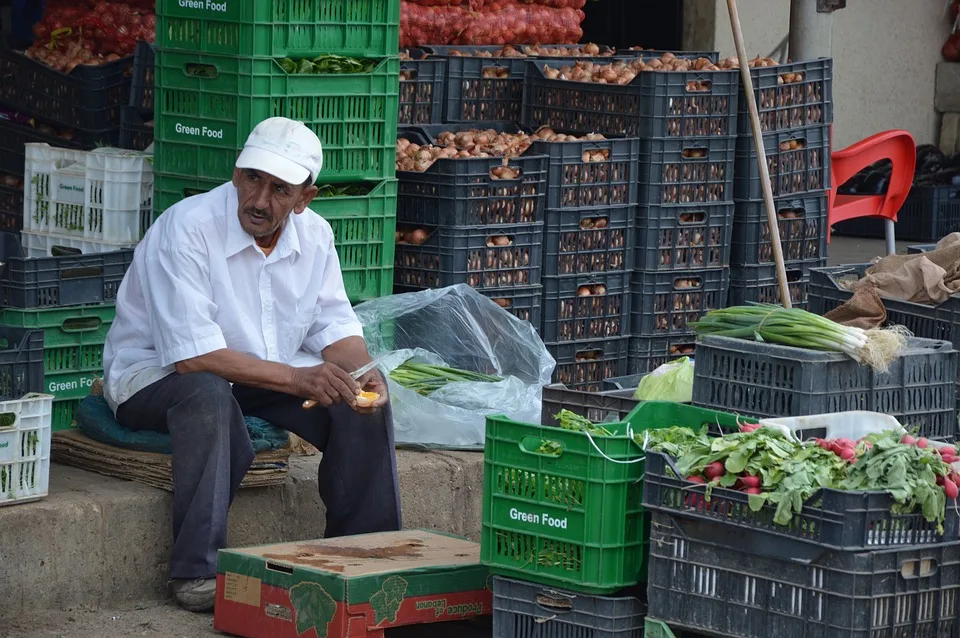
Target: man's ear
<point>236,177</point>
<point>305,198</point>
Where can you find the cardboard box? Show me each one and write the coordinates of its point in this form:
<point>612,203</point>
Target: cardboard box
<point>354,586</point>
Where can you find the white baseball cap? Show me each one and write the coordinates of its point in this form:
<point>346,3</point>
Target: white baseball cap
<point>284,148</point>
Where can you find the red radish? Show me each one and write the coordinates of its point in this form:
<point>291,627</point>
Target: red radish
<point>714,470</point>
<point>845,443</point>
<point>699,480</point>
<point>940,480</point>
<point>922,443</point>
<point>953,476</point>
<point>950,489</point>
<point>753,490</point>
<point>825,444</point>
<point>846,454</point>
<point>750,481</point>
<point>908,440</point>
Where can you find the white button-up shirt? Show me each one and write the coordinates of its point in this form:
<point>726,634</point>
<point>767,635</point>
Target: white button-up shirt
<point>199,283</point>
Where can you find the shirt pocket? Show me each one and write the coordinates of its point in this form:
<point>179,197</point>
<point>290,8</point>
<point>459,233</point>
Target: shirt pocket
<point>295,331</point>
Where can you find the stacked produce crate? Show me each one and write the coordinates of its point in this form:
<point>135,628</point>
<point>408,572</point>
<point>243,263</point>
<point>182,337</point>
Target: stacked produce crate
<point>795,104</point>
<point>136,119</point>
<point>684,114</point>
<point>472,220</point>
<point>222,68</point>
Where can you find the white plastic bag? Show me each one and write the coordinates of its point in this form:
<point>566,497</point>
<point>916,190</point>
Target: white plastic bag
<point>672,381</point>
<point>457,327</point>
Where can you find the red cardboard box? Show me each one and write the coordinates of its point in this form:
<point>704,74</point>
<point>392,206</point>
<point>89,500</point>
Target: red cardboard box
<point>350,587</point>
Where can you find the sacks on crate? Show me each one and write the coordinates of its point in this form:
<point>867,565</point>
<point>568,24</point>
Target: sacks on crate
<point>95,419</point>
<point>927,278</point>
<point>458,327</point>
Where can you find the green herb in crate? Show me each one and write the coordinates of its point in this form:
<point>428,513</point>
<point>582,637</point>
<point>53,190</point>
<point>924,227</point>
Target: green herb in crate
<point>573,421</point>
<point>327,64</point>
<point>425,378</point>
<point>345,190</point>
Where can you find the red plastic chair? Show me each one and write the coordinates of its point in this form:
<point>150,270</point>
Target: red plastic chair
<point>897,146</point>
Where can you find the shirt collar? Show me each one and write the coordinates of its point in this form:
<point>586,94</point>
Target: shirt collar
<point>238,239</point>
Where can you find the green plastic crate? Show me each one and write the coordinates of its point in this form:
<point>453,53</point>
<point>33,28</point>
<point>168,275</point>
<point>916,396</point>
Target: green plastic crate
<point>279,27</point>
<point>203,122</point>
<point>364,228</point>
<point>73,339</point>
<point>575,520</point>
<point>64,410</point>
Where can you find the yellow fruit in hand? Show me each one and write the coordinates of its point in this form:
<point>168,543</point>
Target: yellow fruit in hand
<point>366,399</point>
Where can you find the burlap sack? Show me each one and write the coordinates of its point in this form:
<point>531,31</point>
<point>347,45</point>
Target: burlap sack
<point>864,310</point>
<point>927,278</point>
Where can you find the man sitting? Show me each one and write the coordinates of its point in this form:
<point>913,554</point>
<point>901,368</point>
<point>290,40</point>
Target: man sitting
<point>235,305</point>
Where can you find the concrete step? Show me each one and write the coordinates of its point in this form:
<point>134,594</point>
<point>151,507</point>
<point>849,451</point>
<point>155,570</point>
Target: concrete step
<point>98,542</point>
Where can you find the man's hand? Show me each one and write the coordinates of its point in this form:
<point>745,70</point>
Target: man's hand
<point>373,382</point>
<point>327,384</point>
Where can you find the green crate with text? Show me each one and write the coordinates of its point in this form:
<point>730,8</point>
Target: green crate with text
<point>562,508</point>
<point>73,339</point>
<point>207,105</point>
<point>279,27</point>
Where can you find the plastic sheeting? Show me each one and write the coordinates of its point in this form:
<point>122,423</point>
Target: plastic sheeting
<point>457,327</point>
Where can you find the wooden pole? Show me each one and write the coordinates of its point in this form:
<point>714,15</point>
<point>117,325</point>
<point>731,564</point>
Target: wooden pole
<point>761,154</point>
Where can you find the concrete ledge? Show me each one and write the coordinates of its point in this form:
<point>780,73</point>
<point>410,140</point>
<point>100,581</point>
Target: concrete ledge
<point>100,541</point>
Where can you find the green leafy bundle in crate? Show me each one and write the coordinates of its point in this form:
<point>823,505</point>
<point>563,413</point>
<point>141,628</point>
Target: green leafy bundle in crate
<point>279,27</point>
<point>564,508</point>
<point>207,105</point>
<point>73,339</point>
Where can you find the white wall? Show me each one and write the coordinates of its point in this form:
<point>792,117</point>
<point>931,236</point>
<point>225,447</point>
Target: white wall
<point>885,54</point>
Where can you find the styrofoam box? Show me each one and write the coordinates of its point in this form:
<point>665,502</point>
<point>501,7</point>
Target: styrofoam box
<point>46,245</point>
<point>25,448</point>
<point>104,195</point>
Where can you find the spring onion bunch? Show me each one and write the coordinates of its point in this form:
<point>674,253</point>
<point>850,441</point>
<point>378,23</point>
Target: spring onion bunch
<point>876,347</point>
<point>424,378</point>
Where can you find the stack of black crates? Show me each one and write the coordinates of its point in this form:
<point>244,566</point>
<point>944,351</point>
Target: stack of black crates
<point>678,242</point>
<point>795,104</point>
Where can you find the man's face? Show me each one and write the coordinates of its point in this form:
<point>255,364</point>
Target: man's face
<point>265,202</point>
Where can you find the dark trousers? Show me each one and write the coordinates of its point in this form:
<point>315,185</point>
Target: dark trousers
<point>212,453</point>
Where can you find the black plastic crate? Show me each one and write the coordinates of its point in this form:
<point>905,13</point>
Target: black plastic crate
<point>789,96</point>
<point>692,237</point>
<point>599,406</point>
<point>14,136</point>
<point>653,105</point>
<point>649,54</point>
<point>584,365</point>
<point>463,192</point>
<point>686,171</point>
<point>802,221</point>
<point>579,179</point>
<point>666,303</point>
<point>583,242</point>
<point>52,282</point>
<point>89,98</point>
<point>21,362</point>
<point>759,284</point>
<point>528,610</point>
<point>829,520</point>
<point>471,255</point>
<point>135,133</point>
<point>930,213</point>
<point>586,307</point>
<point>769,380</point>
<point>921,248</point>
<point>422,89</point>
<point>11,208</point>
<point>141,85</point>
<point>705,577</point>
<point>646,354</point>
<point>798,162</point>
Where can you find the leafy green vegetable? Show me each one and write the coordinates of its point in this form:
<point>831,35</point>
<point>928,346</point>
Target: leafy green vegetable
<point>345,190</point>
<point>907,472</point>
<point>549,448</point>
<point>313,606</point>
<point>326,64</point>
<point>576,423</point>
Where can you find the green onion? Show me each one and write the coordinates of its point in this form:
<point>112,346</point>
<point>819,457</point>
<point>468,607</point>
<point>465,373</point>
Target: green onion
<point>425,378</point>
<point>795,327</point>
